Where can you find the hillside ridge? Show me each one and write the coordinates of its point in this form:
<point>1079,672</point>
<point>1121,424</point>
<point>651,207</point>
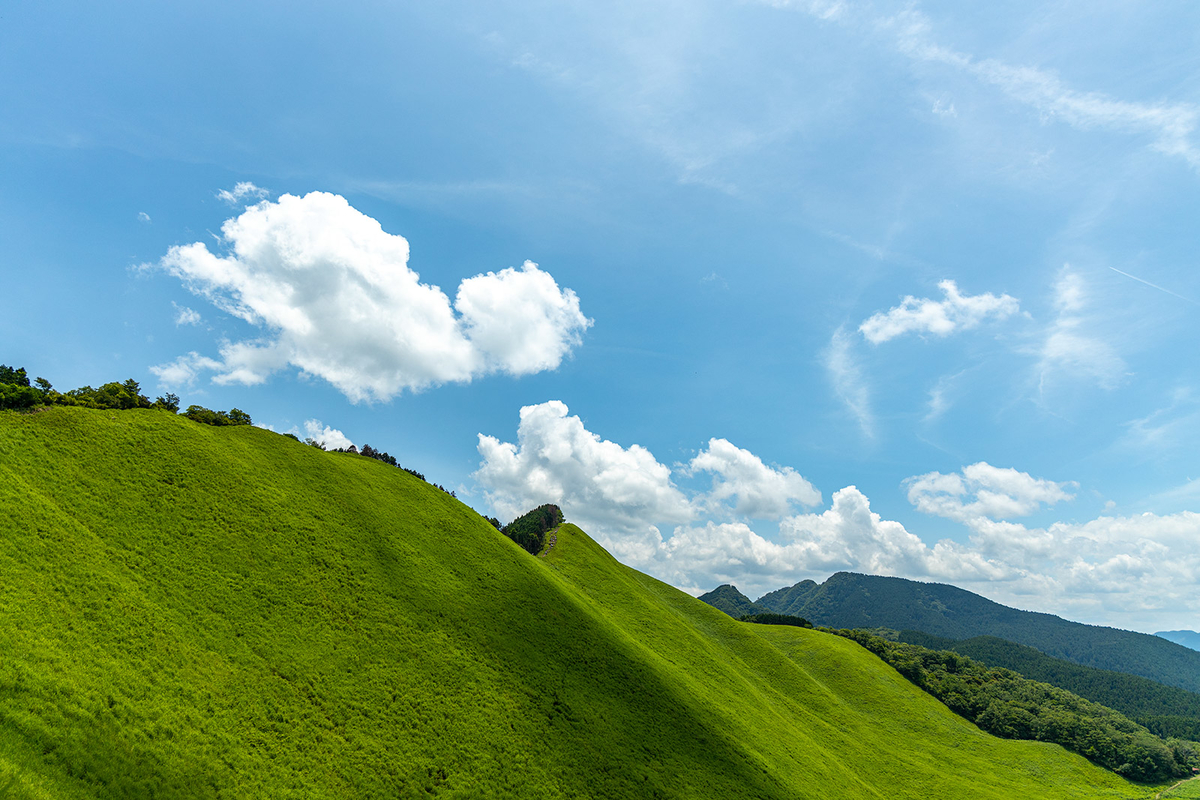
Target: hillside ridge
<point>191,611</point>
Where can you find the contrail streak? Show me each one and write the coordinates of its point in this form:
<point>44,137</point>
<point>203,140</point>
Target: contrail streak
<point>1154,286</point>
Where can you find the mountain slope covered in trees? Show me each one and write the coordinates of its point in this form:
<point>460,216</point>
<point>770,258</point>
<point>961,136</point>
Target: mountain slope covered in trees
<point>190,611</point>
<point>727,598</point>
<point>850,600</point>
<point>1165,710</point>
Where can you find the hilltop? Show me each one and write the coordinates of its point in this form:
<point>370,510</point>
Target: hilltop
<point>197,611</point>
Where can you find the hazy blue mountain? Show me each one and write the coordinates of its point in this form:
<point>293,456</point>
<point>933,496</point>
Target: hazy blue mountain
<point>1186,638</point>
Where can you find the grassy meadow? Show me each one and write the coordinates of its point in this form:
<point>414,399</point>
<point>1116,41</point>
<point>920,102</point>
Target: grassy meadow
<point>189,611</point>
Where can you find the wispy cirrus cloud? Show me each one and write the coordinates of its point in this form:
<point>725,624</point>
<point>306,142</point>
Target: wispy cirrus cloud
<point>1169,126</point>
<point>849,380</point>
<point>1071,346</point>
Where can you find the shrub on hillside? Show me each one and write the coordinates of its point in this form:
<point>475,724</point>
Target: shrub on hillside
<point>529,530</point>
<point>207,416</point>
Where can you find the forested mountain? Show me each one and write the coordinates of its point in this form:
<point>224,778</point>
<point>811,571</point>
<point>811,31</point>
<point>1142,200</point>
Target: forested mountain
<point>727,598</point>
<point>1186,638</point>
<point>790,599</point>
<point>1165,710</point>
<point>190,611</point>
<point>850,600</point>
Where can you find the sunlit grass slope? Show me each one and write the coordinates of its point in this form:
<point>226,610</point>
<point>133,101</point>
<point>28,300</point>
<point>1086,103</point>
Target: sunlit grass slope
<point>189,611</point>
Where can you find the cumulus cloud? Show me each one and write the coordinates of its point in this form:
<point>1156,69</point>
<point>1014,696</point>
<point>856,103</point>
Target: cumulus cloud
<point>847,536</point>
<point>1129,570</point>
<point>1070,346</point>
<point>625,496</point>
<point>622,495</point>
<point>330,438</point>
<point>335,297</point>
<point>938,317</point>
<point>756,490</point>
<point>596,482</point>
<point>243,191</point>
<point>981,490</point>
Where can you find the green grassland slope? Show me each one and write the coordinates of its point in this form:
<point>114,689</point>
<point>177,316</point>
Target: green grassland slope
<point>189,611</point>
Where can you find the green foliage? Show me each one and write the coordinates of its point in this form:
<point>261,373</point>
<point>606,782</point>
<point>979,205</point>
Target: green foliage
<point>1166,711</point>
<point>1004,703</point>
<point>190,611</point>
<point>529,530</point>
<point>13,377</point>
<point>790,599</point>
<point>849,600</point>
<point>207,416</point>
<point>776,619</point>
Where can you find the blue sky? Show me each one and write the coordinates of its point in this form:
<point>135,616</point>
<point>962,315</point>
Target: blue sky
<point>902,288</point>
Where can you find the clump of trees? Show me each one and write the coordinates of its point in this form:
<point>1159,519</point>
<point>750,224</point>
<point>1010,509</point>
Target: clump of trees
<point>379,455</point>
<point>1006,704</point>
<point>234,416</point>
<point>776,619</point>
<point>529,530</point>
<point>17,393</point>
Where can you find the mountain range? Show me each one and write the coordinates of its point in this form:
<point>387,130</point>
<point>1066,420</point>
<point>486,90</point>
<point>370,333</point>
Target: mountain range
<point>851,600</point>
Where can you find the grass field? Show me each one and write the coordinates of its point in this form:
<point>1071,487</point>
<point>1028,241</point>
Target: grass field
<point>189,611</point>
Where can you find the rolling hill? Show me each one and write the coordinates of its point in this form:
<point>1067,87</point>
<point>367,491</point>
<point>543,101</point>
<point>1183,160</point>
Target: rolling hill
<point>850,600</point>
<point>192,611</point>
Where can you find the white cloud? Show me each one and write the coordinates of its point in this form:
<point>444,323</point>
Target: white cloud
<point>757,491</point>
<point>938,317</point>
<point>1139,570</point>
<point>848,536</point>
<point>983,491</point>
<point>185,315</point>
<point>241,192</point>
<point>1170,126</point>
<point>331,438</point>
<point>336,298</point>
<point>143,216</point>
<point>1070,347</point>
<point>848,380</point>
<point>617,492</point>
<point>184,370</point>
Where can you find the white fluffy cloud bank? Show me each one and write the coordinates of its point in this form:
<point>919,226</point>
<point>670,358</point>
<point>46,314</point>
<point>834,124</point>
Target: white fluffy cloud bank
<point>1138,571</point>
<point>982,490</point>
<point>957,311</point>
<point>335,297</point>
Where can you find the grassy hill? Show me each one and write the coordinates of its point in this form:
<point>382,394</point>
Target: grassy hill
<point>850,600</point>
<point>190,611</point>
